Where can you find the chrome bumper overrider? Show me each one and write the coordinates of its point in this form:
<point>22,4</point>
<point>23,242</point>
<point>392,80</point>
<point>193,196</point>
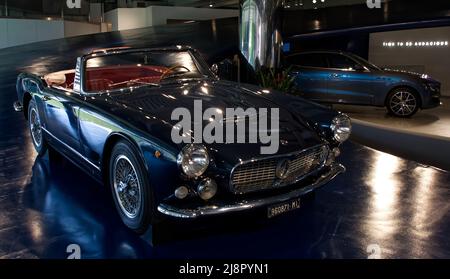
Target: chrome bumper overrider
<point>17,106</point>
<point>211,210</point>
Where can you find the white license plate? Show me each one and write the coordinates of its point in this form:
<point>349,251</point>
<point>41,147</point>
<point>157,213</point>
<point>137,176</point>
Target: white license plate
<point>284,207</point>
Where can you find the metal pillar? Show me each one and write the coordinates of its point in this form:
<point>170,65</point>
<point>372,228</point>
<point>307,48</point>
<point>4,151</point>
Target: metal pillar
<point>260,32</point>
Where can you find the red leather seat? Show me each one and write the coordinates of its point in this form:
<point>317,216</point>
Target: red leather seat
<point>93,85</point>
<point>100,79</point>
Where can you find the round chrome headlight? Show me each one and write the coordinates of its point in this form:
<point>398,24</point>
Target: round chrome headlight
<point>193,160</point>
<point>341,127</point>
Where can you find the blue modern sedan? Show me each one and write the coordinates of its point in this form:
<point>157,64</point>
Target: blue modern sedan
<point>345,78</point>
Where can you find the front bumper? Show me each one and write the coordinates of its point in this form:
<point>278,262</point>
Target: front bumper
<point>249,204</point>
<point>433,96</point>
<point>432,102</point>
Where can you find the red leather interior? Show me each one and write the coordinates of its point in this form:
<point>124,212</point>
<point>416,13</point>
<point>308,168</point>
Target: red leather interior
<point>98,84</point>
<point>102,78</point>
<point>69,79</point>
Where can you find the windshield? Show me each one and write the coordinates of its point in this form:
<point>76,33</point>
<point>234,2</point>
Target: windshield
<point>366,63</point>
<point>134,69</point>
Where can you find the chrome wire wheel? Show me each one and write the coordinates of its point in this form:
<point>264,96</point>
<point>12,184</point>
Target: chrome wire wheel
<point>403,103</point>
<point>35,127</point>
<point>127,187</point>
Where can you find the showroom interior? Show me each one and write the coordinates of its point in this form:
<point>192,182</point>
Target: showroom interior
<point>392,201</point>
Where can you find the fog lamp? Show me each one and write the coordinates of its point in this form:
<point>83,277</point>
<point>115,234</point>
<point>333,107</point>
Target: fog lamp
<point>181,192</point>
<point>207,189</point>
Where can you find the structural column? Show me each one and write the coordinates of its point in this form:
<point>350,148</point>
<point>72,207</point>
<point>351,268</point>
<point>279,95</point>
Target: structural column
<point>260,32</point>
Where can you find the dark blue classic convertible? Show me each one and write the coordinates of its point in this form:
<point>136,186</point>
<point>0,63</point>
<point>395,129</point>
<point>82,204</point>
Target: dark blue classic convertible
<point>112,117</point>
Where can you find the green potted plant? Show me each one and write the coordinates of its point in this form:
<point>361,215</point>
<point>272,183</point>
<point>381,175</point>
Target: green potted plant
<point>277,79</point>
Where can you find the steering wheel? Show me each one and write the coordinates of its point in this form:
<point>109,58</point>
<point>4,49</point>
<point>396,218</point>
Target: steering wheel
<point>170,70</point>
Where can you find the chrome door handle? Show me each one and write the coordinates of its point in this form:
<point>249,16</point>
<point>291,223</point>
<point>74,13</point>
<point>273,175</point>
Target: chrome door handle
<point>45,98</point>
<point>334,75</point>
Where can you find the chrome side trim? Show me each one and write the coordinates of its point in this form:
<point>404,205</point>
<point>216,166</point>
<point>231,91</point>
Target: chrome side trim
<point>18,107</point>
<point>71,149</point>
<point>218,209</point>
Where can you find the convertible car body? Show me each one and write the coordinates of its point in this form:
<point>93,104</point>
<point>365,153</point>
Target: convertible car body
<point>111,116</point>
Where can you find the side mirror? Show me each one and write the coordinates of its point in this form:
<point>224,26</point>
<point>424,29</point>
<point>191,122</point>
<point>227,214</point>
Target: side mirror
<point>215,69</point>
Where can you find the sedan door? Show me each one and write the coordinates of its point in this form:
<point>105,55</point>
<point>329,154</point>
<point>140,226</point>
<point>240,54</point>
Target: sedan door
<point>310,75</point>
<point>350,82</point>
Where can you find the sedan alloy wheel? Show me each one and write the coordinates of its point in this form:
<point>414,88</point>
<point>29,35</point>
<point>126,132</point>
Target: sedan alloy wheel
<point>403,103</point>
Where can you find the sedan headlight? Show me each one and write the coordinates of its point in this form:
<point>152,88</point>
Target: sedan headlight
<point>193,160</point>
<point>341,127</point>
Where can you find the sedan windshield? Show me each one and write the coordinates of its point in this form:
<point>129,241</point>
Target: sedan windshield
<point>134,69</point>
<point>366,63</point>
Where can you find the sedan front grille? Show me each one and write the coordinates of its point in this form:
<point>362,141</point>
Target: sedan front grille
<point>262,174</point>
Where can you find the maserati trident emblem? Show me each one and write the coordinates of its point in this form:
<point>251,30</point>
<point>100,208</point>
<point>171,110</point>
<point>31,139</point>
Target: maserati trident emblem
<point>282,169</point>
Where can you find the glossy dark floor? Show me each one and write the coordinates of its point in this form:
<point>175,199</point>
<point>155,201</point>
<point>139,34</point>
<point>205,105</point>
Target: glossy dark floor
<point>430,122</point>
<point>382,201</point>
<point>383,206</point>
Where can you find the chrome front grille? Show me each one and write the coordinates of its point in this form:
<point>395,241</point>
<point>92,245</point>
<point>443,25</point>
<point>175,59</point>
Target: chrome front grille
<point>262,174</point>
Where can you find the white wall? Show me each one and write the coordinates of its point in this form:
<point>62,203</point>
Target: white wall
<point>127,18</point>
<point>72,28</point>
<point>132,18</point>
<point>15,32</point>
<point>112,17</point>
<point>3,34</point>
<point>23,31</point>
<point>160,14</point>
<point>432,60</point>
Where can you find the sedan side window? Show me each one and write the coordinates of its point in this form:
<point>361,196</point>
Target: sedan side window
<point>341,62</point>
<point>315,60</point>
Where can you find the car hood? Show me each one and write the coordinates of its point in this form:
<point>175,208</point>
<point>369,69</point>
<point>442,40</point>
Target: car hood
<point>155,105</point>
<point>409,74</point>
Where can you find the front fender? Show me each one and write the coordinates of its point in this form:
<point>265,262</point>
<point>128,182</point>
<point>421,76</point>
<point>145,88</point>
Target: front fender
<point>160,164</point>
<point>163,171</point>
<point>33,85</point>
<point>30,83</point>
<point>399,83</point>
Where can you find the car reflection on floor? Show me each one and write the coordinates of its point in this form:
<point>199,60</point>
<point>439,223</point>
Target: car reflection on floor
<point>382,207</point>
<point>74,209</point>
